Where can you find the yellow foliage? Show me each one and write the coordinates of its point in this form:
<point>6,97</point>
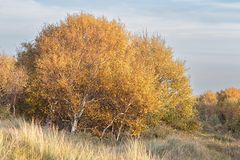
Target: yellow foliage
<point>13,79</point>
<point>92,72</point>
<point>230,95</point>
<point>173,86</point>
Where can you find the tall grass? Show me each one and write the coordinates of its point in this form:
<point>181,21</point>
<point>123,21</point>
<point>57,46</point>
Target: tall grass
<point>23,141</point>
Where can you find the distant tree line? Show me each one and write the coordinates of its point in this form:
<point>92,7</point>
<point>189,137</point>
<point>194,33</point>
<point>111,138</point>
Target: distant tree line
<point>220,111</point>
<point>88,73</point>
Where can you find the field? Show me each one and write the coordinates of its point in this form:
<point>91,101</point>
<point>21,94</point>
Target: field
<point>86,88</point>
<point>20,140</point>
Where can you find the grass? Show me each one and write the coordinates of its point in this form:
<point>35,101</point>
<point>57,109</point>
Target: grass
<point>23,141</point>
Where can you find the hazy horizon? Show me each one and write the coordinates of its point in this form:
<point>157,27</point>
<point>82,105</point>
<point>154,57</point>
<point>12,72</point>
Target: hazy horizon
<point>204,33</point>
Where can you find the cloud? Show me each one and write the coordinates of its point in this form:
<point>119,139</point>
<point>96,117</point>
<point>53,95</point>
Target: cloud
<point>20,20</point>
<point>235,5</point>
<point>205,33</point>
<point>226,5</point>
<point>30,10</point>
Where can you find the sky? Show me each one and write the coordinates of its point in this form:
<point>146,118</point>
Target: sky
<point>204,33</point>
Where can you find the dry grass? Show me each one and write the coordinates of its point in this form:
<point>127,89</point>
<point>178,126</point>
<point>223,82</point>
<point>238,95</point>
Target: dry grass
<point>22,141</point>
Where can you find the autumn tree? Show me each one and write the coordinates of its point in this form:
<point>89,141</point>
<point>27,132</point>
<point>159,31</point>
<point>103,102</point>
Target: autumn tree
<point>86,68</point>
<point>221,110</point>
<point>12,82</point>
<point>27,55</point>
<point>207,105</point>
<point>230,95</point>
<point>90,73</point>
<point>172,82</point>
<point>229,107</point>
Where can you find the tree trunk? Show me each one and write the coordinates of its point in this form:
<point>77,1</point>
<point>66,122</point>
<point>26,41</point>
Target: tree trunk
<point>105,129</point>
<point>121,126</point>
<point>78,115</point>
<point>48,123</point>
<point>119,131</point>
<point>14,104</point>
<point>74,124</point>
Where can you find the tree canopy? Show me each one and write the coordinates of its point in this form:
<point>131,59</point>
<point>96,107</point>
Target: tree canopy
<point>90,73</point>
<point>13,79</point>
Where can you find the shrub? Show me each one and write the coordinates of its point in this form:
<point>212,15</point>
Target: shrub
<point>221,110</point>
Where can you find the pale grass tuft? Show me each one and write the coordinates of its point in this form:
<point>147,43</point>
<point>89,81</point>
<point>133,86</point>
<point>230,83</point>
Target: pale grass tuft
<point>29,141</point>
<point>20,140</point>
